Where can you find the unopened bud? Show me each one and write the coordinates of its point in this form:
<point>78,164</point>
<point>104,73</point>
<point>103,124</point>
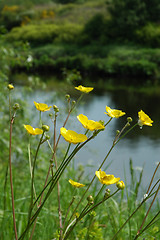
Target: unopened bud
<point>107,193</point>
<point>120,185</point>
<point>45,128</point>
<point>10,87</point>
<point>73,102</point>
<point>129,119</point>
<point>101,122</point>
<point>117,132</point>
<point>67,96</point>
<point>47,137</point>
<point>16,106</point>
<point>50,115</point>
<point>56,109</point>
<point>90,200</point>
<point>92,214</point>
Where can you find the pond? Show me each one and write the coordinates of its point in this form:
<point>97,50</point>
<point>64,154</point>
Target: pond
<point>140,145</point>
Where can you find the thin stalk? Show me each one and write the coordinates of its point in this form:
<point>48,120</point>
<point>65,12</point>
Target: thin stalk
<point>11,181</point>
<point>68,210</point>
<point>58,189</point>
<point>114,143</point>
<point>143,201</point>
<point>150,223</point>
<point>153,177</point>
<point>53,182</point>
<point>32,180</point>
<point>86,212</point>
<point>30,166</point>
<point>147,212</point>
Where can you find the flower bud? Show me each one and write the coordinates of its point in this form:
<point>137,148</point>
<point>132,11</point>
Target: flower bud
<point>92,214</point>
<point>45,128</point>
<point>56,109</point>
<point>117,132</point>
<point>47,137</point>
<point>73,102</point>
<point>101,122</point>
<point>107,193</point>
<point>129,119</point>
<point>16,106</point>
<point>50,115</point>
<point>67,96</point>
<point>90,200</point>
<point>120,185</point>
<point>10,87</point>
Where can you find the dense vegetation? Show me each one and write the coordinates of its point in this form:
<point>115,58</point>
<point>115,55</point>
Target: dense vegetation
<point>119,39</point>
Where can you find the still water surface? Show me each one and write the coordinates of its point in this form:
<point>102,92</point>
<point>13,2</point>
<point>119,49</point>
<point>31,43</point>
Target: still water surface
<point>140,145</point>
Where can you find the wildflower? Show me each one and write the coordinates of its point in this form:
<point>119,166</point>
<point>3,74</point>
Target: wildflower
<point>114,113</point>
<point>105,178</point>
<point>33,131</point>
<point>76,184</point>
<point>72,137</point>
<point>120,185</point>
<point>84,89</point>
<point>10,87</point>
<point>42,107</point>
<point>144,119</point>
<point>89,124</point>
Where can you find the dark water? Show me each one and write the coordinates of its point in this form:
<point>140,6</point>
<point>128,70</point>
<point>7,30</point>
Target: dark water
<point>140,145</point>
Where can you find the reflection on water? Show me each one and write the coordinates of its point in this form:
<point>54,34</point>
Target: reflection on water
<point>141,145</point>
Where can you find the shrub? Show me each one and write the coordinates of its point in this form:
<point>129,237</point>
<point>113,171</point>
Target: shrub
<point>149,35</point>
<point>45,33</point>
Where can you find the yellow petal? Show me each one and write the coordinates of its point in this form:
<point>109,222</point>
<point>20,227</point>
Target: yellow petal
<point>33,131</point>
<point>72,137</point>
<point>42,107</point>
<point>84,89</point>
<point>89,124</point>
<point>114,113</point>
<point>144,119</point>
<point>106,179</point>
<point>76,184</point>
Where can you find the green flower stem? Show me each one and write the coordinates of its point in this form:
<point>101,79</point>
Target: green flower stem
<point>152,222</point>
<point>68,210</point>
<point>52,184</point>
<point>108,122</point>
<point>126,133</point>
<point>138,233</point>
<point>153,177</point>
<point>11,181</point>
<point>86,212</point>
<point>30,165</point>
<point>114,143</point>
<point>143,201</point>
<point>32,180</point>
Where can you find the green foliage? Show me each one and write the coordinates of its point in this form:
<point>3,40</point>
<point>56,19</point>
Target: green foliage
<point>149,35</point>
<point>45,33</point>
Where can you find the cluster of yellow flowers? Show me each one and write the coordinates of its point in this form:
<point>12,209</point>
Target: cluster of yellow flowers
<point>73,137</point>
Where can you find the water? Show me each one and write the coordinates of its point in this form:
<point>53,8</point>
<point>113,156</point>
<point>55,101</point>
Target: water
<point>140,145</point>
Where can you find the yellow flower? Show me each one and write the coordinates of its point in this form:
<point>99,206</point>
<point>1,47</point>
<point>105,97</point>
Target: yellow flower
<point>42,107</point>
<point>72,137</point>
<point>120,185</point>
<point>105,178</point>
<point>144,119</point>
<point>84,89</point>
<point>33,131</point>
<point>89,124</point>
<point>76,184</point>
<point>114,113</point>
<point>10,86</point>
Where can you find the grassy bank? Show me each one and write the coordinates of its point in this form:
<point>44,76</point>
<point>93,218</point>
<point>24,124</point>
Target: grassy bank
<point>49,37</point>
